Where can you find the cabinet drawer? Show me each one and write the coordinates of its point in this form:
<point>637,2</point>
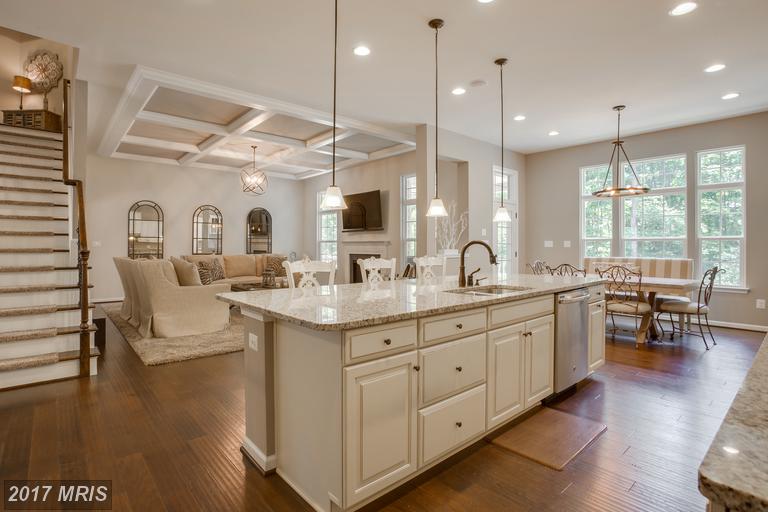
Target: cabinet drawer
<point>596,293</point>
<point>451,367</point>
<point>450,423</point>
<point>451,326</point>
<point>507,314</point>
<point>362,344</point>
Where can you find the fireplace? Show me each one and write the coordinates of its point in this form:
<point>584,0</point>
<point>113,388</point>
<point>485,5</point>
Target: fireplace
<point>354,268</point>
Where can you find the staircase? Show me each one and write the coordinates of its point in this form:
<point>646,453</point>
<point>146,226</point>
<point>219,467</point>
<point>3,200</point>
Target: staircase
<point>42,327</point>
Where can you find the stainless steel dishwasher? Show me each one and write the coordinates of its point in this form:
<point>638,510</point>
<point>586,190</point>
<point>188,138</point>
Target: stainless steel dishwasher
<point>571,338</point>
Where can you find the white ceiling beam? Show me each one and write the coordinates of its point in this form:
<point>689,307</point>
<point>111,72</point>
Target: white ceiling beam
<point>137,93</point>
<point>254,136</point>
<point>181,122</point>
<point>326,138</point>
<point>242,124</point>
<point>397,149</point>
<point>162,144</point>
<point>145,158</point>
<point>346,153</point>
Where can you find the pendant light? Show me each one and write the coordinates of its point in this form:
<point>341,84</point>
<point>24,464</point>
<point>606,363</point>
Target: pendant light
<point>254,180</point>
<point>502,215</point>
<point>436,206</point>
<point>333,198</point>
<point>618,149</point>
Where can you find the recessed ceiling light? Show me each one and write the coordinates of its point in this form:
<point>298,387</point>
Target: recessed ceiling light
<point>683,8</point>
<point>553,133</point>
<point>362,51</point>
<point>519,117</point>
<point>714,68</point>
<point>458,91</point>
<point>731,95</point>
<point>485,1</point>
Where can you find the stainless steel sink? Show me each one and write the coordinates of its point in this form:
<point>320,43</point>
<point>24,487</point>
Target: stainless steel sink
<point>490,290</point>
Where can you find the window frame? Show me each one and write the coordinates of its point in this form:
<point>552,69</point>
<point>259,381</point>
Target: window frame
<point>742,186</point>
<point>512,227</point>
<point>319,231</point>
<point>583,200</point>
<point>655,192</point>
<point>404,204</point>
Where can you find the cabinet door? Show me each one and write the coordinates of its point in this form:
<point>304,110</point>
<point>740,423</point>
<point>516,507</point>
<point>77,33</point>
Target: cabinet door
<point>505,374</point>
<point>380,424</point>
<point>539,359</point>
<point>596,335</point>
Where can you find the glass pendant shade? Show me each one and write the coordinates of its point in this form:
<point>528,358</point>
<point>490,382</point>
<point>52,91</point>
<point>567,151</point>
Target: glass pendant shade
<point>502,215</point>
<point>436,208</point>
<point>333,199</point>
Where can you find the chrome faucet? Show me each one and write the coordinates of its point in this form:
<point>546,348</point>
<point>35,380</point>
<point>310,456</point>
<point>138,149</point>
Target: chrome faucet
<point>462,270</point>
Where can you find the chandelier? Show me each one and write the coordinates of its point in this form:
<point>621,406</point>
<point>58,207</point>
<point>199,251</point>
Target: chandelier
<point>614,190</point>
<point>254,180</point>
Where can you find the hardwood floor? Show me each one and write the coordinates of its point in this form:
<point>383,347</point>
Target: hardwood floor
<point>168,436</point>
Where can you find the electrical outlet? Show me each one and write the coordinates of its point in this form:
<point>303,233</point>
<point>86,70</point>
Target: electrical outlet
<point>253,342</point>
<point>760,303</point>
<point>549,243</point>
<point>566,243</point>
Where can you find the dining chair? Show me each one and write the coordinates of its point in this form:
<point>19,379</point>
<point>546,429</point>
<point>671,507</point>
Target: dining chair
<point>538,267</point>
<point>306,269</point>
<point>624,286</point>
<point>700,308</point>
<point>566,269</point>
<point>426,267</point>
<point>370,269</point>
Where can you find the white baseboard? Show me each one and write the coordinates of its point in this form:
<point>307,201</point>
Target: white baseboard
<point>266,463</point>
<point>735,325</point>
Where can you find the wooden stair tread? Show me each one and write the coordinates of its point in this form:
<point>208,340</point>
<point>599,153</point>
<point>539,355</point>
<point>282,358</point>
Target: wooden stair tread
<point>31,233</point>
<point>26,250</point>
<point>13,202</point>
<point>32,288</point>
<point>29,166</point>
<point>38,268</point>
<point>30,133</point>
<point>39,310</point>
<point>38,334</point>
<point>31,178</point>
<point>21,363</point>
<point>28,155</point>
<point>31,190</point>
<point>4,140</point>
<point>33,217</point>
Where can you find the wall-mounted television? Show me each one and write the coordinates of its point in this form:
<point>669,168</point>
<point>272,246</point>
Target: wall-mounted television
<point>363,212</point>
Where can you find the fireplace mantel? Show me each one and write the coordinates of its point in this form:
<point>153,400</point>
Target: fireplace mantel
<point>357,245</point>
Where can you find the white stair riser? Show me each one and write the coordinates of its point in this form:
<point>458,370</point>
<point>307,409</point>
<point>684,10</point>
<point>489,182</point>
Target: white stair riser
<point>27,183</point>
<point>56,319</point>
<point>27,242</point>
<point>6,168</point>
<point>32,152</point>
<point>30,160</point>
<point>29,133</point>
<point>6,138</point>
<point>52,277</point>
<point>25,348</point>
<point>56,226</point>
<point>8,195</point>
<point>60,370</point>
<point>54,259</point>
<point>47,298</point>
<point>50,211</point>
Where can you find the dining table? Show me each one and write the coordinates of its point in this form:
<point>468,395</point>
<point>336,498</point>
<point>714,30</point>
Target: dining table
<point>650,287</point>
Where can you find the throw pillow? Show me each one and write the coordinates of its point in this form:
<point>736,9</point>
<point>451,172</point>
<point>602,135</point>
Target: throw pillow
<point>210,271</point>
<point>276,263</point>
<point>186,272</point>
<point>240,265</point>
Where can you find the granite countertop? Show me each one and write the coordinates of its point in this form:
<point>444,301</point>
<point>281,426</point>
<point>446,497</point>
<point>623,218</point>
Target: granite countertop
<point>734,472</point>
<point>350,306</point>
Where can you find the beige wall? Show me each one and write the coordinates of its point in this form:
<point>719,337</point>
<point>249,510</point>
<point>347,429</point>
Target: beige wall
<point>552,198</point>
<point>113,185</point>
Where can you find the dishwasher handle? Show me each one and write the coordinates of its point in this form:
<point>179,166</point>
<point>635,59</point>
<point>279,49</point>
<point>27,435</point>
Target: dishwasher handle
<point>574,296</point>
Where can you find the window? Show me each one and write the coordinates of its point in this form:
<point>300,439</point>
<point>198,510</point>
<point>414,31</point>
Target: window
<point>327,232</point>
<point>408,217</point>
<point>720,216</point>
<point>504,239</point>
<point>596,214</point>
<point>654,225</point>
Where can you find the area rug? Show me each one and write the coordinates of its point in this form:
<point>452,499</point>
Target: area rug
<point>550,437</point>
<point>154,351</point>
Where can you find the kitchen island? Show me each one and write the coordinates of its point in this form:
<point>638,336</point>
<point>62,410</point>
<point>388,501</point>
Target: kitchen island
<point>352,390</point>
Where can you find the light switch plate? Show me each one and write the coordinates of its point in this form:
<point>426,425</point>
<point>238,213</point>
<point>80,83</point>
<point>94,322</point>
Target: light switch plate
<point>549,243</point>
<point>760,303</point>
<point>566,243</point>
<point>483,232</point>
<point>253,342</point>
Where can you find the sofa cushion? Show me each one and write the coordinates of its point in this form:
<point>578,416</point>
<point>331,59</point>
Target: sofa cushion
<point>186,272</point>
<point>197,258</point>
<point>168,271</point>
<point>275,262</point>
<point>260,258</point>
<point>210,271</point>
<point>240,265</point>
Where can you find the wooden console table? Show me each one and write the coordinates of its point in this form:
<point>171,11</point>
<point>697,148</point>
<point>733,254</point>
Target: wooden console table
<point>34,119</point>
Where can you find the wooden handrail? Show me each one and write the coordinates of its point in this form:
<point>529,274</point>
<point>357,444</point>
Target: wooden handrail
<point>82,241</point>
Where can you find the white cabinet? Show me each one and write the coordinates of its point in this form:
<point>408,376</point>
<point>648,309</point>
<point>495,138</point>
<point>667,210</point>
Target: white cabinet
<point>451,367</point>
<point>380,424</point>
<point>505,374</point>
<point>539,357</point>
<point>596,335</point>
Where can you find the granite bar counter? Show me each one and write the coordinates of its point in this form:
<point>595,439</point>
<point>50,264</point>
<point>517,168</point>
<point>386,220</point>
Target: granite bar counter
<point>352,390</point>
<point>734,473</point>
